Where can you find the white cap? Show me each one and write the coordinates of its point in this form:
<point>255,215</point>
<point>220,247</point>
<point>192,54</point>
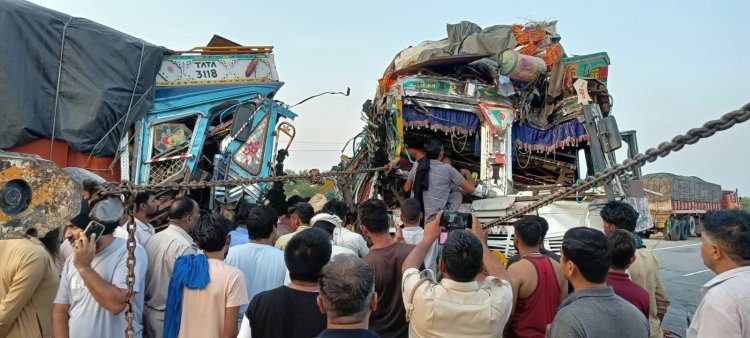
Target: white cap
<point>326,217</point>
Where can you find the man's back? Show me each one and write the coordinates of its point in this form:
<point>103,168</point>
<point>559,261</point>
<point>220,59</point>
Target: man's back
<point>262,265</point>
<point>163,250</point>
<point>87,317</point>
<point>455,309</point>
<point>440,180</point>
<point>285,313</point>
<point>28,283</point>
<point>388,320</point>
<point>629,291</point>
<point>538,296</point>
<point>597,313</point>
<point>645,272</point>
<point>203,310</point>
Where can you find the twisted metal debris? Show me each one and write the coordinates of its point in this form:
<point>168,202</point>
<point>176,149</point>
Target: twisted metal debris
<point>665,148</point>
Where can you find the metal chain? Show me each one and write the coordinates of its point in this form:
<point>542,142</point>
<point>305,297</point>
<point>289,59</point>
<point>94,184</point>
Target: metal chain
<point>128,188</point>
<point>130,279</point>
<point>665,148</point>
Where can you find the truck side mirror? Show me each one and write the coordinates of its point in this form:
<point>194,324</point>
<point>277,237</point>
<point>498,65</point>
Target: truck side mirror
<point>609,134</point>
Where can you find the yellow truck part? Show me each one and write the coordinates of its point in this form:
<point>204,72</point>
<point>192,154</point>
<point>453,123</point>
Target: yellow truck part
<point>34,194</point>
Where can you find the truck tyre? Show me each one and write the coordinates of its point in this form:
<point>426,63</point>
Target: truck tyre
<point>691,224</point>
<point>685,227</point>
<point>676,232</point>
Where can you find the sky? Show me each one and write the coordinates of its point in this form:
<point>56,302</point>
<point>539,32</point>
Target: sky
<point>674,64</point>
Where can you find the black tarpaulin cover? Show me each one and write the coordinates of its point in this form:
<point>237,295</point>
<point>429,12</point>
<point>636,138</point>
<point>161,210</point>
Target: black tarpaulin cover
<point>70,79</point>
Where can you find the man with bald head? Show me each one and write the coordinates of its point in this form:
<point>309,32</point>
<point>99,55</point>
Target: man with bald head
<point>163,249</point>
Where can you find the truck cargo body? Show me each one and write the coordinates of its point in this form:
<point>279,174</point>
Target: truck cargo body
<point>680,195</point>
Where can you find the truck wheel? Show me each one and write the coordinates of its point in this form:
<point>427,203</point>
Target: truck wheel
<point>676,231</point>
<point>685,227</point>
<point>691,224</point>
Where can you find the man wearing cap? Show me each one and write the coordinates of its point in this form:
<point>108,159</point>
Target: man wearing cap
<point>342,236</point>
<point>91,299</point>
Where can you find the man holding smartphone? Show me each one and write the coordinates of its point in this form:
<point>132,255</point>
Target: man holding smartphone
<point>91,299</point>
<point>475,286</point>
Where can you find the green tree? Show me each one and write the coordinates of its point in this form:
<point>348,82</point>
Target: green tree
<point>745,203</point>
<point>303,188</point>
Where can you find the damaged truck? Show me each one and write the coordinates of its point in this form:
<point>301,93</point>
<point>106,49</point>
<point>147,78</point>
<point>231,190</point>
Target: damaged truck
<point>85,95</point>
<point>514,109</point>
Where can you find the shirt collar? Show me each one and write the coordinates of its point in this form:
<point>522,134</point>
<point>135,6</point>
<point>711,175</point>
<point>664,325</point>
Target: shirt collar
<point>144,226</point>
<point>459,286</point>
<point>181,232</point>
<point>595,292</point>
<point>241,230</point>
<point>726,275</point>
<point>302,227</point>
<point>618,275</point>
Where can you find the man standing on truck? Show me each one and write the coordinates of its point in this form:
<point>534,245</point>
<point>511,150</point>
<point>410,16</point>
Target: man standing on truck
<point>430,181</point>
<point>645,270</point>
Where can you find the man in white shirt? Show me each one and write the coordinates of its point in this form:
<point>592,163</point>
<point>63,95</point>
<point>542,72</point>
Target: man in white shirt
<point>482,302</point>
<point>411,233</point>
<point>342,235</point>
<point>146,208</point>
<point>163,250</point>
<point>724,310</point>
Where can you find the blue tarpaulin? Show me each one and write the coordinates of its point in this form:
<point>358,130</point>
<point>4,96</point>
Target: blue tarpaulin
<point>565,134</point>
<point>446,120</point>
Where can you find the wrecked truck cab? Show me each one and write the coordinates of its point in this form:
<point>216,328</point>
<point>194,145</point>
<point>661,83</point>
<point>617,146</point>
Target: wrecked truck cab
<point>514,112</point>
<point>213,118</point>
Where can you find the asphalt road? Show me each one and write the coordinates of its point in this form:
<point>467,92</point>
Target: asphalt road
<point>683,274</point>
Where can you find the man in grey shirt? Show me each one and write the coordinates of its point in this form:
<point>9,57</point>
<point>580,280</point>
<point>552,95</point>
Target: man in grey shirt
<point>91,299</point>
<point>593,310</point>
<point>440,178</point>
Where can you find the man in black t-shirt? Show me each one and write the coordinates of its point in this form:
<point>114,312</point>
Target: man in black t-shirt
<point>292,311</point>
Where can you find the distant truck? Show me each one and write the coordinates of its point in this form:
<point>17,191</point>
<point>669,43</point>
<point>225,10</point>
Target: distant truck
<point>677,203</point>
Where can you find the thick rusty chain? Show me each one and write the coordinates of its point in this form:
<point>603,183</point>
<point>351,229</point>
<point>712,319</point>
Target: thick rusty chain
<point>130,263</point>
<point>128,188</point>
<point>665,148</point>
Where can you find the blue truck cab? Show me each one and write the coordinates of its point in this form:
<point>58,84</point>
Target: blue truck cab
<point>213,117</point>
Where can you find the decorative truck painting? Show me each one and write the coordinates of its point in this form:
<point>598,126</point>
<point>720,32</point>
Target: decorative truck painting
<point>519,116</point>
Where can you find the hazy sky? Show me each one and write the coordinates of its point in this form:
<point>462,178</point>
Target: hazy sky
<point>675,64</point>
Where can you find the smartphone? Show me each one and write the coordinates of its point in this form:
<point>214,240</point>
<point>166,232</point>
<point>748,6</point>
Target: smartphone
<point>443,237</point>
<point>455,221</point>
<point>94,228</point>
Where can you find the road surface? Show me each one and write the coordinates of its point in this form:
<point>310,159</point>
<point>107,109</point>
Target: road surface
<point>683,274</point>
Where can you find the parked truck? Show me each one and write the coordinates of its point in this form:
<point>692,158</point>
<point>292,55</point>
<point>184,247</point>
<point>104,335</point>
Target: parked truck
<point>677,203</point>
<point>85,95</point>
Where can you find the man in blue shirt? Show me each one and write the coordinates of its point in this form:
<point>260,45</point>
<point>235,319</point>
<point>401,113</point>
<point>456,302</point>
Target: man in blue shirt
<point>261,263</point>
<point>240,234</point>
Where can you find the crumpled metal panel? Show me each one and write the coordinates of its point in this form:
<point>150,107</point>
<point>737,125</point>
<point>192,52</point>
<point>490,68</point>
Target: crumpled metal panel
<point>34,193</point>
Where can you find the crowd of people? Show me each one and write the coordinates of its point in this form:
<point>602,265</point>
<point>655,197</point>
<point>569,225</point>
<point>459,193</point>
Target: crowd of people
<point>205,275</point>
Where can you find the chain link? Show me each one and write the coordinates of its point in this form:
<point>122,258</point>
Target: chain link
<point>678,142</point>
<point>130,279</point>
<point>665,148</point>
